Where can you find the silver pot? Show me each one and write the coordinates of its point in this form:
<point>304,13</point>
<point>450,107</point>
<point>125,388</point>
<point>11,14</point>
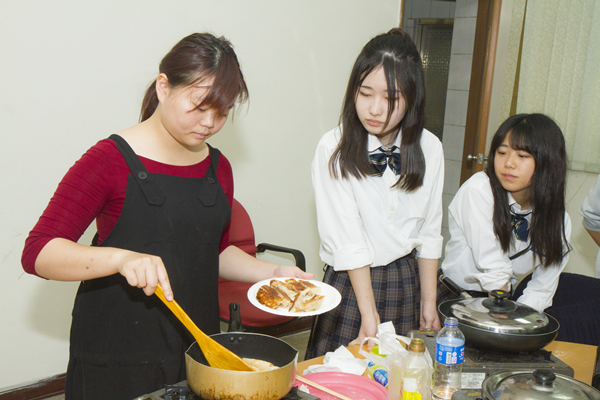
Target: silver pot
<point>498,323</point>
<point>537,384</point>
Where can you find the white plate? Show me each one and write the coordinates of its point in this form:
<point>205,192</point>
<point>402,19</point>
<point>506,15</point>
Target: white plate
<point>331,300</point>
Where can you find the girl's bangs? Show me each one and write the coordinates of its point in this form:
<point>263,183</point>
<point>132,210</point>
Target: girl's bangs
<point>363,75</point>
<point>393,83</point>
<point>391,77</point>
<point>228,86</point>
<point>520,137</point>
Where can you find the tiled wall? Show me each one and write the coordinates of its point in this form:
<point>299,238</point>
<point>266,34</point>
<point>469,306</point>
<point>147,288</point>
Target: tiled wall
<point>427,9</point>
<point>464,13</point>
<point>459,79</point>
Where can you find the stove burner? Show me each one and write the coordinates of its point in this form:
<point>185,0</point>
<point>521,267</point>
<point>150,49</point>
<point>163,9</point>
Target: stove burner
<point>478,354</point>
<point>181,391</point>
<point>178,392</point>
<point>481,362</point>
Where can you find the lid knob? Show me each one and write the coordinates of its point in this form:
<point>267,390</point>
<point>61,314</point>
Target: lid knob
<point>544,377</point>
<point>499,302</point>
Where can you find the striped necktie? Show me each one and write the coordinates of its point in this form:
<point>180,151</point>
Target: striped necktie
<point>520,226</point>
<point>383,157</point>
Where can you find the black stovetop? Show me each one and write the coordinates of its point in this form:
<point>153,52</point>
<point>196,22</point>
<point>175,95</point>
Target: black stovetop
<point>181,391</point>
<point>492,359</point>
<point>480,363</point>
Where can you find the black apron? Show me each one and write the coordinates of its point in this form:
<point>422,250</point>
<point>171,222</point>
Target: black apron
<point>124,343</point>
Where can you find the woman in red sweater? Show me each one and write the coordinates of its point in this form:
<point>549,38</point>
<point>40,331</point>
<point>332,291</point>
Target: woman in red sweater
<point>161,198</point>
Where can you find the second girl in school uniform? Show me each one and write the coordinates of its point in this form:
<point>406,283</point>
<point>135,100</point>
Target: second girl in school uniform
<point>510,219</point>
<point>378,181</point>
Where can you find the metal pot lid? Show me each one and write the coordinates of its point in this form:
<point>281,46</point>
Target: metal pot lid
<point>500,315</point>
<point>536,385</point>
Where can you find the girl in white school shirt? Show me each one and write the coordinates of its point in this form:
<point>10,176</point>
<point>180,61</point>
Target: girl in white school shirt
<point>379,221</point>
<point>511,220</point>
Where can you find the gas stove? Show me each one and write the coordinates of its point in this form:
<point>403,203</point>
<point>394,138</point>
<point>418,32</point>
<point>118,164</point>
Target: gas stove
<point>480,363</point>
<point>181,391</point>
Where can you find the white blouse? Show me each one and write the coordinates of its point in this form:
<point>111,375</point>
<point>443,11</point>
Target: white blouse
<point>474,259</point>
<point>368,222</point>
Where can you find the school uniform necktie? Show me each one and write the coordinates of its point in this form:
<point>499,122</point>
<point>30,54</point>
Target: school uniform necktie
<point>383,157</point>
<point>521,226</point>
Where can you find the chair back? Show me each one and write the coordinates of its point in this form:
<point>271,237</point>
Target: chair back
<point>241,235</point>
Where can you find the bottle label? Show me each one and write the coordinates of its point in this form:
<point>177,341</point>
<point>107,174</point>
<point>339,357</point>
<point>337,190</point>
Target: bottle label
<point>449,355</point>
<point>410,389</point>
<point>380,375</point>
<point>411,395</point>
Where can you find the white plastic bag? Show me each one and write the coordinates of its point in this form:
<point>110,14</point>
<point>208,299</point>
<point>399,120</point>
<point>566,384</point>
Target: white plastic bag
<point>387,340</point>
<point>380,369</point>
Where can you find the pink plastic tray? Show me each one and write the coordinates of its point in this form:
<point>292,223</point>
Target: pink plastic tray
<point>350,385</point>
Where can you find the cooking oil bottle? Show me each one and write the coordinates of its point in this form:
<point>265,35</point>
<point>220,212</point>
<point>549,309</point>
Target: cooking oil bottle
<point>416,375</point>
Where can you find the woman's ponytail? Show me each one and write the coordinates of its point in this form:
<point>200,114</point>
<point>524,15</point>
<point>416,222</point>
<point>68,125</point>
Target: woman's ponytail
<point>149,103</point>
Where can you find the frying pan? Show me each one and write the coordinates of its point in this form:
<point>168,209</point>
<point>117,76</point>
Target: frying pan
<point>479,333</point>
<point>219,384</point>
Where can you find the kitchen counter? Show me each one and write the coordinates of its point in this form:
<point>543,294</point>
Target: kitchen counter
<point>580,357</point>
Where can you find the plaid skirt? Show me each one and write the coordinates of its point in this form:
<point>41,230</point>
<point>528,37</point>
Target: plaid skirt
<point>397,292</point>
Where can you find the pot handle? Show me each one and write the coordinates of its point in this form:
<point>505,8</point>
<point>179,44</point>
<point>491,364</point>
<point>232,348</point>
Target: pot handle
<point>450,284</point>
<point>235,319</point>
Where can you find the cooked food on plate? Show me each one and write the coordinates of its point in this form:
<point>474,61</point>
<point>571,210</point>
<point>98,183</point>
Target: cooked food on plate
<point>293,295</point>
<point>272,298</point>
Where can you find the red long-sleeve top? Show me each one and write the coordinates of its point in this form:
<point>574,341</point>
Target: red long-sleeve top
<point>94,188</point>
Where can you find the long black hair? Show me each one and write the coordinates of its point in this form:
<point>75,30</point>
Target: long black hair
<point>401,62</point>
<point>197,57</point>
<point>540,136</point>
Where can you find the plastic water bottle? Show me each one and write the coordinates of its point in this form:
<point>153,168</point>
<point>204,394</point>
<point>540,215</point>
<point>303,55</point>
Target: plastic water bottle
<point>449,357</point>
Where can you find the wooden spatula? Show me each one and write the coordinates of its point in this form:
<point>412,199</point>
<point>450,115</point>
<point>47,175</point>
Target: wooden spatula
<point>216,355</point>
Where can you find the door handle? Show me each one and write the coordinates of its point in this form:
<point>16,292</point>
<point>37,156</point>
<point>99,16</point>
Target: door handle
<point>480,158</point>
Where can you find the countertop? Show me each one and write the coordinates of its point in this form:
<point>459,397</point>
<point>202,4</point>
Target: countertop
<point>580,357</point>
